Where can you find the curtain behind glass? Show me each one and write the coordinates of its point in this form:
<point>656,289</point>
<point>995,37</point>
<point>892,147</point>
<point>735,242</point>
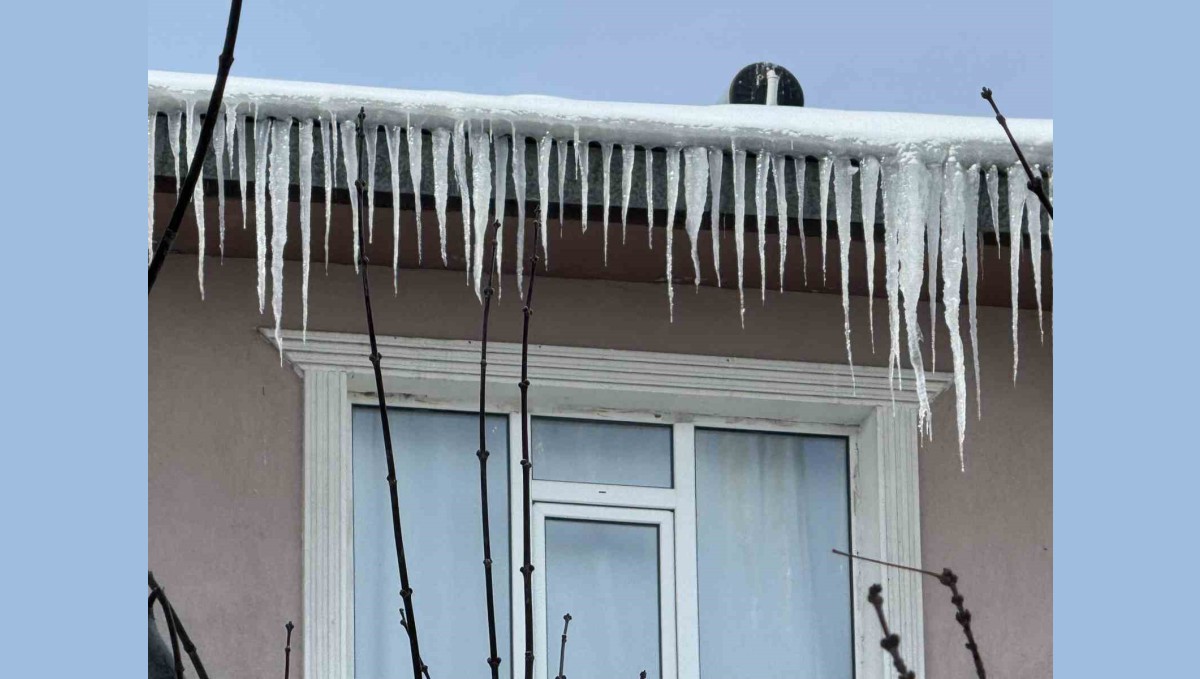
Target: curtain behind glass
<point>438,485</point>
<point>773,601</point>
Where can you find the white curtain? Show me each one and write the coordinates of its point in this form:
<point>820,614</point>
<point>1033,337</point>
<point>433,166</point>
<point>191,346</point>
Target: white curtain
<point>590,451</point>
<point>774,602</point>
<point>437,478</point>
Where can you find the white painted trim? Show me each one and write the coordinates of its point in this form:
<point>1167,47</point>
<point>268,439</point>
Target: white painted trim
<point>603,494</point>
<point>684,390</point>
<point>687,592</point>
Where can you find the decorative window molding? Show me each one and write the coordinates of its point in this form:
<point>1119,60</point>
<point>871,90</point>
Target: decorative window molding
<point>882,427</point>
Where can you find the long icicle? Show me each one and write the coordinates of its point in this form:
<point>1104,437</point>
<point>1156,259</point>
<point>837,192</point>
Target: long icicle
<point>481,179</point>
<point>493,660</point>
<point>1016,210</point>
<point>231,125</point>
<point>868,177</point>
<point>527,464</point>
<point>582,168</point>
<point>993,189</point>
<point>500,200</point>
<point>762,165</point>
<point>561,146</point>
<point>971,255</point>
<point>219,157</point>
<point>464,191</point>
<point>954,187</point>
<point>933,244</point>
<point>372,148</point>
<point>392,135</point>
<point>408,614</point>
<point>739,225</point>
<point>695,186</point>
<point>414,139</point>
<point>649,196</point>
<point>800,165</point>
<point>262,143</point>
<point>543,217</point>
<point>910,186</point>
<point>441,183</point>
<point>306,154</point>
<point>716,164</point>
<point>518,177</point>
<point>824,165</point>
<point>351,155</point>
<point>672,199</point>
<point>152,123</point>
<point>1034,222</point>
<point>280,180</point>
<point>843,175</point>
<point>193,150</point>
<point>243,174</point>
<point>606,152</point>
<point>628,156</point>
<point>779,169</point>
<point>327,168</point>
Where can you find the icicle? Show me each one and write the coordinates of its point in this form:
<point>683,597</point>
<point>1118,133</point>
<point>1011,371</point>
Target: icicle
<point>823,168</point>
<point>561,147</point>
<point>843,175</point>
<point>716,163</point>
<point>218,141</point>
<point>441,151</point>
<point>281,157</point>
<point>800,165</point>
<point>413,136</point>
<point>193,138</point>
<point>481,168</point>
<point>993,189</point>
<point>762,166</point>
<point>464,191</point>
<point>971,255</point>
<point>891,267</point>
<point>306,154</point>
<point>779,169</point>
<point>581,161</point>
<point>174,124</point>
<point>392,136</point>
<point>543,160</point>
<point>1016,209</point>
<point>231,122</point>
<point>910,188</point>
<point>350,161</point>
<point>650,196</point>
<point>1049,219</point>
<point>327,167</point>
<point>695,185</point>
<point>933,241</point>
<point>243,176</point>
<point>628,157</point>
<point>518,177</point>
<point>868,177</point>
<point>739,224</point>
<point>152,123</point>
<point>954,187</point>
<point>372,134</point>
<point>606,151</point>
<point>262,141</point>
<point>500,148</point>
<point>672,199</point>
<point>1034,206</point>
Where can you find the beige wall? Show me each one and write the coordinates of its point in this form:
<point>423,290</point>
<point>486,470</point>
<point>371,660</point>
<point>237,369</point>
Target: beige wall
<point>226,441</point>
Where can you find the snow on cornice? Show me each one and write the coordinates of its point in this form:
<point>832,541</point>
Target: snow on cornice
<point>811,131</point>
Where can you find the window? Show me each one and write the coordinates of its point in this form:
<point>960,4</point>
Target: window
<point>753,580</point>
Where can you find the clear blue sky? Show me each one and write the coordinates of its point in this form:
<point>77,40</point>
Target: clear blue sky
<point>870,54</point>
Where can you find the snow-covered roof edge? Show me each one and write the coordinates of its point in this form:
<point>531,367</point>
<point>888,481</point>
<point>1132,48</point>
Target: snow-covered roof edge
<point>810,131</point>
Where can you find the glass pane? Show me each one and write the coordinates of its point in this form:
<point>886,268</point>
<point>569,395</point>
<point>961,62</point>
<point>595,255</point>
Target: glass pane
<point>606,576</point>
<point>773,601</point>
<point>589,451</point>
<point>438,486</point>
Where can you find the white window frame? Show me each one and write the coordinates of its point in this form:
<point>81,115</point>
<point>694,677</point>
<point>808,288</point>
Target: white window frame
<point>686,391</point>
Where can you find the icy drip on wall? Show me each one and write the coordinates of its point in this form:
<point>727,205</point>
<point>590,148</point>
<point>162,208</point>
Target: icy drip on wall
<point>932,207</point>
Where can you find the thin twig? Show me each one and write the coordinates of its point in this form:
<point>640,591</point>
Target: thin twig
<point>891,642</point>
<point>526,463</point>
<point>186,640</point>
<point>493,660</point>
<point>224,63</point>
<point>1035,181</point>
<point>562,649</point>
<point>410,625</point>
<point>962,615</point>
<point>287,651</point>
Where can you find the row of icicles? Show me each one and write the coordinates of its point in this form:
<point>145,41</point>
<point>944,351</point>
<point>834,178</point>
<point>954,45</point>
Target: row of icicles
<point>930,211</point>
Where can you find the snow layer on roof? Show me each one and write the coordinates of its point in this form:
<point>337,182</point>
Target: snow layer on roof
<point>811,131</point>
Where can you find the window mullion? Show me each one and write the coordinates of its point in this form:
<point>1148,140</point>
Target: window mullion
<point>686,594</point>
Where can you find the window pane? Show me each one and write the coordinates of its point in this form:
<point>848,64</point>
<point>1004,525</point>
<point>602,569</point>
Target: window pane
<point>773,601</point>
<point>606,576</point>
<point>437,480</point>
<point>589,451</point>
